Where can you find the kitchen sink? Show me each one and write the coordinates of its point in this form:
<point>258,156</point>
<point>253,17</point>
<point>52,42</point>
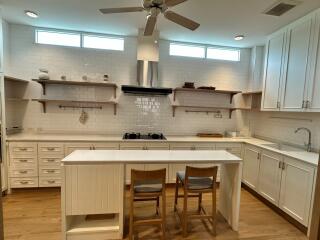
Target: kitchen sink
<point>283,147</point>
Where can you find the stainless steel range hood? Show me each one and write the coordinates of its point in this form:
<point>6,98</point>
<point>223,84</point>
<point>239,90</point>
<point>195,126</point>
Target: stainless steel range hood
<point>147,68</point>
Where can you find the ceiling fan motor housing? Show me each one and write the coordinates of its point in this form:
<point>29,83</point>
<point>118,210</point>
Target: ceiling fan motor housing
<point>148,4</point>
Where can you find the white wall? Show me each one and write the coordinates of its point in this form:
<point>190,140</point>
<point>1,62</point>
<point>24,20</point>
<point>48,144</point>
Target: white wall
<point>275,125</point>
<point>133,112</point>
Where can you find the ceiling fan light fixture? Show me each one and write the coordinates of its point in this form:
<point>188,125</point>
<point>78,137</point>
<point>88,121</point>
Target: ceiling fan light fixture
<point>31,14</point>
<point>239,37</point>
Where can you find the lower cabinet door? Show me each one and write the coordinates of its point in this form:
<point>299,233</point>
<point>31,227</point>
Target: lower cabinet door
<point>270,176</point>
<point>70,147</point>
<point>251,165</point>
<point>296,189</point>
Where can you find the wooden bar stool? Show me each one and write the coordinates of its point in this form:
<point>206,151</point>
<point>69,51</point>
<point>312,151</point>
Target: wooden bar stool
<point>148,186</point>
<point>195,182</point>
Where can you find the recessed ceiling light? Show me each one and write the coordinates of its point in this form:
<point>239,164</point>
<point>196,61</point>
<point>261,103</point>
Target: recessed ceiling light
<point>239,37</point>
<point>31,14</point>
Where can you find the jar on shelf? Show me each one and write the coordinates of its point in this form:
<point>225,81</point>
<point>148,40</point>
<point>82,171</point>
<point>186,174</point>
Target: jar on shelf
<point>43,74</point>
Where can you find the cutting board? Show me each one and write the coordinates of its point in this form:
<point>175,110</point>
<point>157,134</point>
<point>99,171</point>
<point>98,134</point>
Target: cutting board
<point>212,135</point>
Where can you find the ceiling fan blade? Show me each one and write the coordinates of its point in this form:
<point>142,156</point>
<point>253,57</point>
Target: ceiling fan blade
<point>121,10</point>
<point>150,26</point>
<point>171,3</point>
<point>181,20</point>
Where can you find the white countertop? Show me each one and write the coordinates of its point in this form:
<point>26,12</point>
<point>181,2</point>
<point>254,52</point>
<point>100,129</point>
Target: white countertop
<point>150,156</point>
<point>309,157</point>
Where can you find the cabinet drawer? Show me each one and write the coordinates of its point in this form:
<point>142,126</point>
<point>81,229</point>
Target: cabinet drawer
<point>49,182</point>
<point>49,171</point>
<point>23,149</point>
<point>106,146</point>
<point>234,148</point>
<point>24,182</point>
<point>23,172</point>
<point>132,146</point>
<point>49,161</point>
<point>50,149</point>
<point>23,162</point>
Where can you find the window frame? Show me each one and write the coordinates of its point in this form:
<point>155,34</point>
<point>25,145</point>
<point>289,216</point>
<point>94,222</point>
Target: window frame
<point>56,31</point>
<point>206,48</point>
<point>188,45</point>
<point>224,48</point>
<point>81,35</point>
<point>84,34</point>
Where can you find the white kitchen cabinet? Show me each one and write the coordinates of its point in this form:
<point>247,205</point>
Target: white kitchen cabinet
<point>270,176</point>
<point>297,58</point>
<point>251,166</point>
<point>296,189</point>
<point>105,146</point>
<point>70,147</point>
<point>273,71</point>
<point>292,75</point>
<point>144,146</point>
<point>157,146</point>
<point>313,100</point>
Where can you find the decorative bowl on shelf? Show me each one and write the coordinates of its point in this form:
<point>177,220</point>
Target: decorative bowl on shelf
<point>188,85</point>
<point>207,88</point>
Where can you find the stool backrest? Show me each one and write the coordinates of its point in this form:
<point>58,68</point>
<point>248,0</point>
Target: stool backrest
<point>148,177</point>
<point>201,172</point>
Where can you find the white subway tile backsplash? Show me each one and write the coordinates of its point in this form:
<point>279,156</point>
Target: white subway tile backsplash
<point>134,113</point>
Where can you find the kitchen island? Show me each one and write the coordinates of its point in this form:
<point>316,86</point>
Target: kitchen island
<point>94,182</point>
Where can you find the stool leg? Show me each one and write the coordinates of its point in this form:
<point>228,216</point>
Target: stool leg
<point>185,213</point>
<point>163,215</point>
<point>131,216</point>
<point>214,211</point>
<point>176,194</point>
<point>199,202</point>
<point>158,204</point>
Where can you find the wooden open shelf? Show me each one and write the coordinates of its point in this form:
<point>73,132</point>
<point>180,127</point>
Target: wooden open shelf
<point>76,83</point>
<point>13,79</point>
<point>44,102</point>
<point>252,93</point>
<point>230,109</point>
<point>196,90</point>
<point>13,99</point>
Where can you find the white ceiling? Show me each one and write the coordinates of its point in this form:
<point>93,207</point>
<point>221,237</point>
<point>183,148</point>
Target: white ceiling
<point>220,20</point>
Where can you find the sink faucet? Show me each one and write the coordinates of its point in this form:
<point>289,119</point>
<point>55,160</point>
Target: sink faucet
<point>308,145</point>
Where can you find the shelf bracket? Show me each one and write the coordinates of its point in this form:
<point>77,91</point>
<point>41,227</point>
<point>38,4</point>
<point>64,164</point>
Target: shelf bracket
<point>43,85</point>
<point>174,95</point>
<point>114,109</point>
<point>44,106</point>
<point>115,92</point>
<point>231,96</point>
<point>173,111</point>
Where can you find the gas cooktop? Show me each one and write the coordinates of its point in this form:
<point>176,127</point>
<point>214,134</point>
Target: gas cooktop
<point>149,136</point>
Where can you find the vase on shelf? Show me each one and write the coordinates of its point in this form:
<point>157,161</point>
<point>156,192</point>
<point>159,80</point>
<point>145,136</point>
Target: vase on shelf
<point>43,74</point>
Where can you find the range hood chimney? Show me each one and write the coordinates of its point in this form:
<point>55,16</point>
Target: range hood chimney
<point>147,67</point>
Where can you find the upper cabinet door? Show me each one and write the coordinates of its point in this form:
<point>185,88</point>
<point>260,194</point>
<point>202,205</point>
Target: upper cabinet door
<point>313,103</point>
<point>273,72</point>
<point>296,65</point>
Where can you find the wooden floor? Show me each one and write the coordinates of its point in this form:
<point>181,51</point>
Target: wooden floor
<point>35,215</point>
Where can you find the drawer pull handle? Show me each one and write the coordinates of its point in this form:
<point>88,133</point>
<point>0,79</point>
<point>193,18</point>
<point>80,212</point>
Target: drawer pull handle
<point>51,181</point>
<point>50,171</point>
<point>50,149</point>
<point>51,160</point>
<point>23,160</point>
<point>24,182</point>
<point>23,172</point>
<point>23,149</point>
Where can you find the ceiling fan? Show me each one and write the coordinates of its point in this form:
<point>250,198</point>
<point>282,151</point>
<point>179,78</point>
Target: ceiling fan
<point>154,8</point>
